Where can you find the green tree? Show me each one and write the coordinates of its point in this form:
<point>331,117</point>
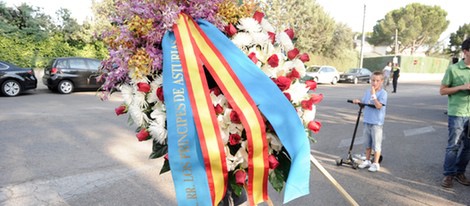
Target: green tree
<point>416,24</point>
<point>313,27</point>
<point>103,11</point>
<point>456,39</point>
<point>24,20</point>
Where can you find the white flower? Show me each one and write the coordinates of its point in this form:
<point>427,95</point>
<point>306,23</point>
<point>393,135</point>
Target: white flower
<point>298,92</point>
<point>299,66</point>
<point>159,114</point>
<point>285,41</point>
<point>127,92</point>
<point>154,85</point>
<point>274,141</point>
<point>249,24</point>
<point>221,100</point>
<point>137,115</point>
<point>158,132</point>
<point>309,115</point>
<point>260,38</point>
<point>242,39</point>
<point>139,100</point>
<point>267,26</point>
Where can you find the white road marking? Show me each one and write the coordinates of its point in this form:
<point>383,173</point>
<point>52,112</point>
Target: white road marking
<point>422,130</point>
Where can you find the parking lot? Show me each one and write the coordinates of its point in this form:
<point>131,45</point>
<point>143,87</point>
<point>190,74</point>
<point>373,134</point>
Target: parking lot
<point>73,150</point>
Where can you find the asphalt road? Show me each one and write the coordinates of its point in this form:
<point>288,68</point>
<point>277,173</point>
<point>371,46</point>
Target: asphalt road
<point>73,150</point>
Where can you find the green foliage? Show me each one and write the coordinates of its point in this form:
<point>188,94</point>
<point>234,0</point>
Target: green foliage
<point>457,38</point>
<point>315,31</point>
<point>278,176</point>
<point>165,167</point>
<point>416,24</point>
<point>158,150</point>
<point>237,189</point>
<point>29,38</point>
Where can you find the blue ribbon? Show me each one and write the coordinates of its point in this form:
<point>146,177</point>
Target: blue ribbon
<point>184,151</point>
<point>274,106</point>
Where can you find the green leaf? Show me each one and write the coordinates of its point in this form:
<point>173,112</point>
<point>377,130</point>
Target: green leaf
<point>158,150</point>
<point>277,180</point>
<point>166,167</point>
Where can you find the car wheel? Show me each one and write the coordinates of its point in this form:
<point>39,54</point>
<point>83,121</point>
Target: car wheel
<point>355,80</point>
<point>334,81</point>
<point>11,88</point>
<point>65,87</point>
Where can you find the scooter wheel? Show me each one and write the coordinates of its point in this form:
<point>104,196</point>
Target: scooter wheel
<point>339,162</point>
<point>354,165</point>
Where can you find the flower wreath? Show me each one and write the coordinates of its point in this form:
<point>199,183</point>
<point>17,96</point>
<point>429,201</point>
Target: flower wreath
<point>134,68</point>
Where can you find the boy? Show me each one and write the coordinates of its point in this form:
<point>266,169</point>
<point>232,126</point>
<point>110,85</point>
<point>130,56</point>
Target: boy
<point>373,120</point>
<point>456,85</point>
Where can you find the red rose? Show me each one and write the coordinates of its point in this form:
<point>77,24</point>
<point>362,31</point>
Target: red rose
<point>234,139</point>
<point>258,16</point>
<point>143,87</point>
<point>314,126</point>
<point>142,135</point>
<point>311,84</point>
<point>234,117</point>
<point>218,109</point>
<point>283,83</point>
<point>288,96</point>
<point>216,91</point>
<point>304,57</point>
<point>230,30</point>
<point>293,53</point>
<point>240,177</point>
<point>307,104</point>
<point>160,93</point>
<point>272,37</point>
<point>121,109</point>
<point>290,33</point>
<point>273,163</point>
<point>294,74</point>
<point>273,61</point>
<point>316,98</point>
<point>253,57</point>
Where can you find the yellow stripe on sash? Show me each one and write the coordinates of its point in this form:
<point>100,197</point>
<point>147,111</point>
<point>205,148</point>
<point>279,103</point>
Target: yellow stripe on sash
<point>245,107</point>
<point>203,111</point>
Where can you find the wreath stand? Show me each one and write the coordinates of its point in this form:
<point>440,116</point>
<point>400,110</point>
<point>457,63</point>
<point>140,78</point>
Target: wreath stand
<point>338,187</point>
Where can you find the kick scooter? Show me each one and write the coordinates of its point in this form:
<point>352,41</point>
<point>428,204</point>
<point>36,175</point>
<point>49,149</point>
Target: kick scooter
<point>349,160</point>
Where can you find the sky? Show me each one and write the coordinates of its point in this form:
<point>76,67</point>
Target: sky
<point>350,12</point>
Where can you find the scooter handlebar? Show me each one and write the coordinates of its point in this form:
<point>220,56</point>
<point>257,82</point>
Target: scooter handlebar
<point>362,104</point>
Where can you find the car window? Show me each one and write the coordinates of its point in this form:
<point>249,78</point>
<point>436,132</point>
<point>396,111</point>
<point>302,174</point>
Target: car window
<point>94,64</point>
<point>61,64</point>
<point>77,64</point>
<point>3,66</point>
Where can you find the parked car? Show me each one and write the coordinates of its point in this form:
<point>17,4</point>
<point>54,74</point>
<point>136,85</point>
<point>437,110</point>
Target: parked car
<point>322,74</point>
<point>356,75</point>
<point>14,79</point>
<point>67,74</point>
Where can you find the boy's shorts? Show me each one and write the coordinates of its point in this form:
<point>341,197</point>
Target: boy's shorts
<point>373,136</point>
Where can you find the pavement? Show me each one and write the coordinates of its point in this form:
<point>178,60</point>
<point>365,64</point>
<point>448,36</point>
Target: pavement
<point>419,77</point>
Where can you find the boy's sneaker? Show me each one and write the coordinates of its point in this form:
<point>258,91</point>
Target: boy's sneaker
<point>364,164</point>
<point>375,167</point>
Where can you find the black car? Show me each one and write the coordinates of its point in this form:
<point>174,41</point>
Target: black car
<point>356,75</point>
<point>14,79</point>
<point>67,74</point>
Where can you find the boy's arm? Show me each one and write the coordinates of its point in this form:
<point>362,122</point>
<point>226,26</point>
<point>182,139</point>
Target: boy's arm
<point>446,90</point>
